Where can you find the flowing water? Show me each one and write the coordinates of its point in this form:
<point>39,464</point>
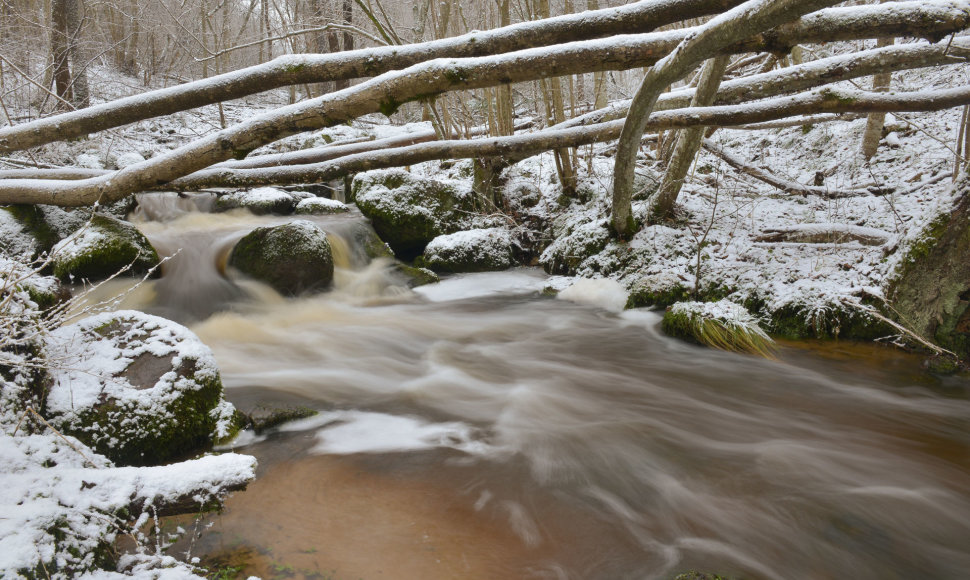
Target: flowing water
<point>476,429</point>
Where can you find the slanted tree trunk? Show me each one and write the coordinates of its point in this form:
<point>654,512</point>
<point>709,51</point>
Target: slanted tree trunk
<point>688,142</point>
<point>931,293</point>
<point>734,26</point>
<point>906,19</point>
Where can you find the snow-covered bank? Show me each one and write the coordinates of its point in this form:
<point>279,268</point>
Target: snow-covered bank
<point>64,505</point>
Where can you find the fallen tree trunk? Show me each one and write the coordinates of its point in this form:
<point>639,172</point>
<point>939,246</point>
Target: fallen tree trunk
<point>519,147</point>
<point>774,180</point>
<point>919,19</point>
<point>288,70</point>
<point>803,77</point>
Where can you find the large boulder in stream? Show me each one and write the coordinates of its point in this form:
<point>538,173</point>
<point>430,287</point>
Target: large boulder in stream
<point>136,388</point>
<point>479,250</point>
<point>408,211</point>
<point>293,258</point>
<point>102,248</point>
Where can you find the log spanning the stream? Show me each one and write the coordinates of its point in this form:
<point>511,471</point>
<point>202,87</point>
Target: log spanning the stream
<point>917,19</point>
<point>518,147</point>
<point>389,91</point>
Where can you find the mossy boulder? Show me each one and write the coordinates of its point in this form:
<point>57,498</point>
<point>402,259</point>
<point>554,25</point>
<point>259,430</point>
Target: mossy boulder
<point>102,248</point>
<point>577,238</point>
<point>260,201</point>
<point>658,291</point>
<point>320,206</point>
<point>930,292</point>
<point>723,325</point>
<point>479,250</point>
<point>408,211</point>
<point>136,388</point>
<point>49,224</point>
<point>293,258</point>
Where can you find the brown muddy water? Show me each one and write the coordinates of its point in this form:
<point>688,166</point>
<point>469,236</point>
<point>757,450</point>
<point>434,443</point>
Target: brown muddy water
<point>480,430</point>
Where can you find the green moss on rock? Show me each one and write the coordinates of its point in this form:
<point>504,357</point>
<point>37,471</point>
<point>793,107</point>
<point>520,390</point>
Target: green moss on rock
<point>293,258</point>
<point>104,247</point>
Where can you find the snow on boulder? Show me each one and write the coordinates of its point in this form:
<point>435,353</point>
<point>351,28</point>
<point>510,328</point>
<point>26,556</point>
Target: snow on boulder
<point>408,211</point>
<point>481,250</point>
<point>293,258</point>
<point>260,201</point>
<point>102,248</point>
<point>320,206</point>
<point>137,388</point>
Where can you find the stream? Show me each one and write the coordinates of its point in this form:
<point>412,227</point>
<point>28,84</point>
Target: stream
<point>476,429</point>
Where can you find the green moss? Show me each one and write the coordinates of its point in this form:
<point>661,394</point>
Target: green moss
<point>389,106</point>
<point>797,322</point>
<point>416,275</point>
<point>456,75</point>
<point>267,417</point>
<point>119,245</point>
<point>130,435</point>
<point>293,258</point>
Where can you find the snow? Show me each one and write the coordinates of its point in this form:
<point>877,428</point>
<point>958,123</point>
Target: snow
<point>75,495</point>
<point>730,313</point>
<point>320,205</point>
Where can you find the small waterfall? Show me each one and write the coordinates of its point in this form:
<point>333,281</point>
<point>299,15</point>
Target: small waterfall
<point>196,281</point>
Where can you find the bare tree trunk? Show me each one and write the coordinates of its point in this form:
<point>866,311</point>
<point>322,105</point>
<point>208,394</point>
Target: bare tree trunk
<point>75,48</point>
<point>751,18</point>
<point>688,142</point>
<point>876,121</point>
<point>59,34</point>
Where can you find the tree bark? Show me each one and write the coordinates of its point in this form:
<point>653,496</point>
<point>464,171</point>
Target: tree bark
<point>59,35</point>
<point>751,18</point>
<point>906,19</point>
<point>876,121</point>
<point>688,142</point>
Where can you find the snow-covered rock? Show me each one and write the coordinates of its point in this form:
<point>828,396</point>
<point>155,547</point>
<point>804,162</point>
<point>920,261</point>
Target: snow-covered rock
<point>260,201</point>
<point>137,388</point>
<point>319,206</point>
<point>102,248</point>
<point>479,250</point>
<point>408,211</point>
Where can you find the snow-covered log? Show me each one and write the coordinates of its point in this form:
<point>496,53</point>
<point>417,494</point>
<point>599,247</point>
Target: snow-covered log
<point>929,19</point>
<point>637,17</point>
<point>367,156</point>
<point>803,77</point>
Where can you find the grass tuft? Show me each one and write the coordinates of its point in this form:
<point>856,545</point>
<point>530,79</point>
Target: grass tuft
<point>723,325</point>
